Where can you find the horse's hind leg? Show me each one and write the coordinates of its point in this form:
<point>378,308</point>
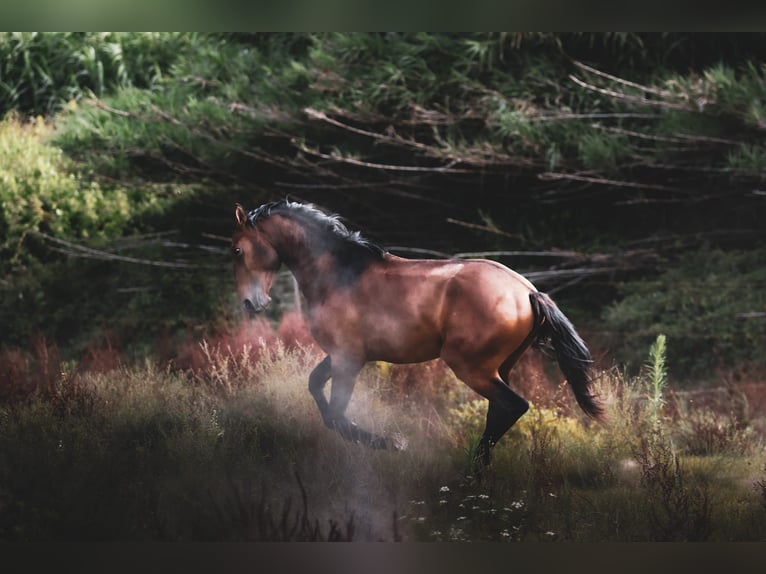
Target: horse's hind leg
<point>505,408</point>
<point>505,405</point>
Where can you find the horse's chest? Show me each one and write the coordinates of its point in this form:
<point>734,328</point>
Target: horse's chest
<point>334,326</point>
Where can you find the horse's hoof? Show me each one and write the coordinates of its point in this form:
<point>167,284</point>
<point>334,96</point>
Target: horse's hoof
<point>399,442</point>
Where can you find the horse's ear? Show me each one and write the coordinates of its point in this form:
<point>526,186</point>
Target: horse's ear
<point>240,215</point>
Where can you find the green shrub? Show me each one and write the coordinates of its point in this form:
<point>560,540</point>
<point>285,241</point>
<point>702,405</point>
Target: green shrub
<point>42,190</point>
<point>40,71</point>
<point>709,304</point>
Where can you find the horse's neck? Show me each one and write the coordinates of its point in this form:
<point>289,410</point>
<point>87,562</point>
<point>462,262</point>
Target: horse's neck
<point>310,280</point>
<point>311,270</point>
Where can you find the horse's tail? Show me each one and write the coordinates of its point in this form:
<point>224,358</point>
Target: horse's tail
<point>572,355</point>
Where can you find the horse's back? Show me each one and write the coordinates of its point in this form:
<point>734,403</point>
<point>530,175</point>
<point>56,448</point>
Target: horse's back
<point>479,287</point>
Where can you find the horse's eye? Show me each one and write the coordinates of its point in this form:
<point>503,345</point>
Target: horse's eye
<point>237,251</point>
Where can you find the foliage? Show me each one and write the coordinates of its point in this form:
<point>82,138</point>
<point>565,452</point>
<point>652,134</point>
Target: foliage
<point>40,71</point>
<point>43,191</point>
<point>709,304</point>
<point>580,142</point>
<point>657,378</point>
<point>484,102</point>
<point>45,197</point>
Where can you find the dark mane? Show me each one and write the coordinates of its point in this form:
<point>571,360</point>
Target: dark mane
<point>309,214</point>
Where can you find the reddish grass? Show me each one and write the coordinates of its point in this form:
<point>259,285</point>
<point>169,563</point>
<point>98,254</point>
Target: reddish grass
<point>101,356</point>
<point>294,332</point>
<point>16,380</point>
<point>23,373</point>
<point>252,337</point>
<point>39,370</point>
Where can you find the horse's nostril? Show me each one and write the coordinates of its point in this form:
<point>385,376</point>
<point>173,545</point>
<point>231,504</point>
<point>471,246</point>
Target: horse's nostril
<point>249,307</point>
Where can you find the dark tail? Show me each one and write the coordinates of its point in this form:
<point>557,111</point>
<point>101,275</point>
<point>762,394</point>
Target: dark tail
<point>571,353</point>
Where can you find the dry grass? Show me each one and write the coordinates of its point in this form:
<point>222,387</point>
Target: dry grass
<point>225,443</point>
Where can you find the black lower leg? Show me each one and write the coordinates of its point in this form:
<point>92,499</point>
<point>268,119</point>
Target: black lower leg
<point>317,381</point>
<point>334,412</point>
<point>502,414</point>
<point>351,432</point>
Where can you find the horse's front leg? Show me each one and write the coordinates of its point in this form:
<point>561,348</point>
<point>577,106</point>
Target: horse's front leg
<point>343,375</point>
<point>317,381</point>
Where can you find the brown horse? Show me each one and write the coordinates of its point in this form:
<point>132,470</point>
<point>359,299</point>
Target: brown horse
<point>364,304</point>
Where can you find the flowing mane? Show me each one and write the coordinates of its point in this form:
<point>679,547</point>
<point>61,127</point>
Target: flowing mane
<point>309,214</point>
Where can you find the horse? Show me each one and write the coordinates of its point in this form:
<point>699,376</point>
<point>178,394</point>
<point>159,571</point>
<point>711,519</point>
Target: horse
<point>365,304</point>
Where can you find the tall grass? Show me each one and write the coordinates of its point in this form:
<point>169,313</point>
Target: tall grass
<point>230,446</point>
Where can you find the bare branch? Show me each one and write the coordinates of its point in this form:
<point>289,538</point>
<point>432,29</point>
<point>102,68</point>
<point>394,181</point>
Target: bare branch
<point>656,91</point>
<point>321,116</point>
<point>77,250</point>
<point>567,273</point>
<point>751,315</point>
<point>548,176</point>
<point>556,254</point>
<point>422,251</point>
<point>699,138</point>
<point>480,227</point>
<point>628,98</point>
<point>103,106</point>
<point>592,116</point>
<point>386,167</point>
<point>640,135</point>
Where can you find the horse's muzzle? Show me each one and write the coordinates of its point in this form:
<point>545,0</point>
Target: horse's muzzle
<point>253,309</point>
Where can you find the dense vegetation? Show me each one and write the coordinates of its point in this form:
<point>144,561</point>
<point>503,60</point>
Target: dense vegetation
<point>618,156</point>
<point>624,173</point>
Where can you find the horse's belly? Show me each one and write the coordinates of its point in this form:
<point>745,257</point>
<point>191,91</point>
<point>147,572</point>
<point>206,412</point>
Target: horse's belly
<point>397,340</point>
<point>402,355</point>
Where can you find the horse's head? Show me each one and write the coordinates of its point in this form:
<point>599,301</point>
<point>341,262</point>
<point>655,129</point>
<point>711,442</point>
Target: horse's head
<point>255,263</point>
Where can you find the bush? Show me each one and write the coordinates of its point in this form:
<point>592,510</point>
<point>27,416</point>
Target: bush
<point>42,190</point>
<point>710,305</point>
<point>40,71</point>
